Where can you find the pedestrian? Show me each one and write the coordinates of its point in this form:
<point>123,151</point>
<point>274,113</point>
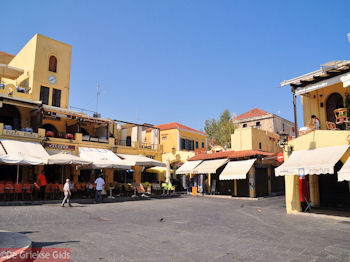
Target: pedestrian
<point>67,193</point>
<point>99,186</point>
<point>42,183</point>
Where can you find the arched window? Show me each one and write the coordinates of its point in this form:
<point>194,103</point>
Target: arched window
<point>53,64</point>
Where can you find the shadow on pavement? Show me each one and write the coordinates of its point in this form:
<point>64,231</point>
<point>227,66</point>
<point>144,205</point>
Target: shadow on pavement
<point>47,244</point>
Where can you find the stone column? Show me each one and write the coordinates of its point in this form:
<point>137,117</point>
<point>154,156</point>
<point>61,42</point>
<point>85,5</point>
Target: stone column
<point>292,192</point>
<point>314,190</point>
<point>252,191</point>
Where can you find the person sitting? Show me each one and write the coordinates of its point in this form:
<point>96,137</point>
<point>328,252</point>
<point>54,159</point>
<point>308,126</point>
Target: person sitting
<point>315,123</point>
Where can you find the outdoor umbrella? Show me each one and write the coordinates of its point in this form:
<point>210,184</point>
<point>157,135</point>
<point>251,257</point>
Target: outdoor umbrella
<point>167,174</point>
<point>67,159</point>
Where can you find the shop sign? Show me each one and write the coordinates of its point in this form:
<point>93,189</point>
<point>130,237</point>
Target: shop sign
<point>16,133</point>
<point>58,146</point>
<point>280,157</point>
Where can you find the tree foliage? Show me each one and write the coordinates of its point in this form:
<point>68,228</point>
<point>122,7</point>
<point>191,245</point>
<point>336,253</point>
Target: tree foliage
<point>220,130</point>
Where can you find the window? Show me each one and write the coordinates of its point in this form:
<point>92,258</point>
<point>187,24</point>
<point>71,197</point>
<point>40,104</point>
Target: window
<point>186,144</point>
<point>283,127</point>
<point>260,146</point>
<point>128,141</point>
<point>197,145</point>
<point>56,97</point>
<point>44,95</point>
<point>202,144</point>
<point>244,125</point>
<point>258,124</point>
<point>53,64</point>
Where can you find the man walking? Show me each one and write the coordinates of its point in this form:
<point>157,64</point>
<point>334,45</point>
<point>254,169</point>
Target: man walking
<point>67,193</point>
<point>99,186</point>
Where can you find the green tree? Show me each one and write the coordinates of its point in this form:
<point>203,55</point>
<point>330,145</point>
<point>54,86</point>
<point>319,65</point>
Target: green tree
<point>220,130</point>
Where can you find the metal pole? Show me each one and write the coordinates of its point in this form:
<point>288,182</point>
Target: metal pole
<point>295,113</point>
<point>17,173</point>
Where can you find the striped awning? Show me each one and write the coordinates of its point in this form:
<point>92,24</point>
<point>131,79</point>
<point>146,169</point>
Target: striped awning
<point>188,167</point>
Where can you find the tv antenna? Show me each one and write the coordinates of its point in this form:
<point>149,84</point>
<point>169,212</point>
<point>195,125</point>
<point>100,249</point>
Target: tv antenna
<point>96,114</point>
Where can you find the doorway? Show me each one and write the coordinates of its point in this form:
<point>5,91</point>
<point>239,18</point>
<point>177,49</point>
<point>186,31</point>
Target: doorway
<point>334,101</point>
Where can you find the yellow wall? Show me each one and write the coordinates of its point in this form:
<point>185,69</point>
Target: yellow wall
<point>34,60</point>
<point>169,140</point>
<point>311,102</point>
<point>249,138</point>
<point>316,139</point>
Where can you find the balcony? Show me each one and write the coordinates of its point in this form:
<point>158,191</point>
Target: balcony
<point>137,145</point>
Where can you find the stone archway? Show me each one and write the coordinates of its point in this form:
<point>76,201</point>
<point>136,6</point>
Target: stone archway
<point>10,115</point>
<point>334,101</point>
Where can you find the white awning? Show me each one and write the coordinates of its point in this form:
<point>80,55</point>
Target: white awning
<point>140,160</point>
<point>187,167</point>
<point>210,166</point>
<point>236,169</point>
<point>102,158</point>
<point>15,152</point>
<point>312,162</point>
<point>344,172</point>
<point>67,159</point>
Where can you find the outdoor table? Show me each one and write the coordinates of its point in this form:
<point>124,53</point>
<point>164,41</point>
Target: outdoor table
<point>110,192</point>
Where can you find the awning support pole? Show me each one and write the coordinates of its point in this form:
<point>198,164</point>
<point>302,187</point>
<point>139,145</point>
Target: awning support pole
<point>17,173</point>
<point>295,113</point>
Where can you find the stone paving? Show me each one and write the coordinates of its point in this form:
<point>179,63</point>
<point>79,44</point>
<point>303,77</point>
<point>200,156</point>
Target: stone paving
<point>182,229</point>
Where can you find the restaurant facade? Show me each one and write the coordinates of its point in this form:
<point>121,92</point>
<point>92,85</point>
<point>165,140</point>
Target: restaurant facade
<point>34,108</point>
<point>316,161</point>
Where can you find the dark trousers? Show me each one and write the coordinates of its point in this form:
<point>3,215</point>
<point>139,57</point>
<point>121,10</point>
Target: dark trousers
<point>42,192</point>
<point>98,196</point>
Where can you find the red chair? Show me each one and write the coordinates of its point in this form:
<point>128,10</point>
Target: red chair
<point>18,190</point>
<point>48,191</point>
<point>9,188</point>
<point>2,190</point>
<point>56,190</point>
<point>60,187</point>
<point>27,189</point>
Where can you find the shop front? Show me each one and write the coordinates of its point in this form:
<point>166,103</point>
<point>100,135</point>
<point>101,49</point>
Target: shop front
<point>316,178</point>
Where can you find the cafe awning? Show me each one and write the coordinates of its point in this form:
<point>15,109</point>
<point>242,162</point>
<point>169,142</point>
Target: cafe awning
<point>67,159</point>
<point>139,160</point>
<point>210,166</point>
<point>236,169</point>
<point>187,167</point>
<point>15,152</point>
<point>344,172</point>
<point>102,158</point>
<point>312,162</point>
<point>158,170</point>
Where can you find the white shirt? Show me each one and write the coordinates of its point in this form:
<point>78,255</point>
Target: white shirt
<point>99,183</point>
<point>66,187</point>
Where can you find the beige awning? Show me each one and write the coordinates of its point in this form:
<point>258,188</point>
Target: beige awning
<point>10,71</point>
<point>236,169</point>
<point>139,160</point>
<point>312,162</point>
<point>67,159</point>
<point>187,167</point>
<point>344,172</point>
<point>210,166</point>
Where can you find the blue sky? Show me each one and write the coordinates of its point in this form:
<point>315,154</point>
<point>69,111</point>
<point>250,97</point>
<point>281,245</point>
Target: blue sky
<point>184,61</point>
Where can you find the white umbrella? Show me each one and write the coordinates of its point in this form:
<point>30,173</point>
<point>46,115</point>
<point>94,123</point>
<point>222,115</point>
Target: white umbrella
<point>67,159</point>
<point>167,174</point>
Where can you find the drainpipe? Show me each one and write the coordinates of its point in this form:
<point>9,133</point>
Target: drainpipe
<point>295,113</point>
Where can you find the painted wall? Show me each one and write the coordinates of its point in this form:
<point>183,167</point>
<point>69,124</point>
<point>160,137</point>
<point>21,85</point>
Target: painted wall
<point>312,102</point>
<point>251,138</point>
<point>34,60</point>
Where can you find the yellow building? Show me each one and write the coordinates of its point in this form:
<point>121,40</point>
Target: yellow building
<point>34,100</point>
<point>250,138</point>
<point>319,155</point>
<point>180,142</point>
